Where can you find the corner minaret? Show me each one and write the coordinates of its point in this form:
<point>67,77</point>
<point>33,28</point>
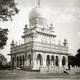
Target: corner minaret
<point>65,43</point>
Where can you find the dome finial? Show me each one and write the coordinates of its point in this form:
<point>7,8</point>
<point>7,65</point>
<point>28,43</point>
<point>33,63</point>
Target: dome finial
<point>38,3</point>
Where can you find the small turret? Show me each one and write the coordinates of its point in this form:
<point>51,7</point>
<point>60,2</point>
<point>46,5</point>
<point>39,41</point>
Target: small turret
<point>65,43</point>
<point>51,28</point>
<point>25,28</point>
<point>12,44</point>
<point>59,43</point>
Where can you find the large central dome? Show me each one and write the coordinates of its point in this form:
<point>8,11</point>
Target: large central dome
<point>38,15</point>
<point>38,12</point>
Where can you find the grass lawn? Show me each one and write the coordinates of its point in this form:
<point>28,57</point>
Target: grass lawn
<point>24,75</point>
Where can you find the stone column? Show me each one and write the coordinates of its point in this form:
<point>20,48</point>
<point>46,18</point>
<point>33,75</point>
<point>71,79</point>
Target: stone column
<point>44,66</point>
<point>66,66</point>
<point>54,60</point>
<point>60,62</point>
<point>11,61</point>
<point>25,64</point>
<point>19,60</point>
<point>50,62</point>
<point>38,63</point>
<point>34,61</point>
<point>44,60</point>
<point>32,58</point>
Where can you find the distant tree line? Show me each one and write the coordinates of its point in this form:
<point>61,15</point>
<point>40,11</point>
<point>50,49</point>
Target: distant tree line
<point>75,60</point>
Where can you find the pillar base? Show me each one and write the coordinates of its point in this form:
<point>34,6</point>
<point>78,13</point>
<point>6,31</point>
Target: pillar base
<point>35,68</point>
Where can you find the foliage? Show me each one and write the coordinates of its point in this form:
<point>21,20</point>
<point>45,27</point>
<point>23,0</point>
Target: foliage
<point>78,57</point>
<point>75,60</point>
<point>3,37</point>
<point>7,9</point>
<point>71,60</point>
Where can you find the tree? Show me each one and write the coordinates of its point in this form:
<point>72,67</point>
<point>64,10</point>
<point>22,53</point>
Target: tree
<point>78,57</point>
<point>74,60</point>
<point>3,37</point>
<point>71,60</point>
<point>78,52</point>
<point>7,9</point>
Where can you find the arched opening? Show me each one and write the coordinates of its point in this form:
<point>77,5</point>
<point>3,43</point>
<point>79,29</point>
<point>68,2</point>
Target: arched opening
<point>29,59</point>
<point>20,61</point>
<point>39,59</point>
<point>23,60</point>
<point>48,60</point>
<point>52,59</point>
<point>57,61</point>
<point>17,60</point>
<point>13,59</point>
<point>63,61</point>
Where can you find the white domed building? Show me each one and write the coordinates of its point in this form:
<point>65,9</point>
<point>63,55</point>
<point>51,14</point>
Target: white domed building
<point>39,51</point>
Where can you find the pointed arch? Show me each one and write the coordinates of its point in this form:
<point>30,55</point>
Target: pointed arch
<point>48,60</point>
<point>17,60</point>
<point>52,59</point>
<point>20,61</point>
<point>23,60</point>
<point>57,61</point>
<point>29,59</point>
<point>63,61</point>
<point>13,59</point>
<point>39,59</point>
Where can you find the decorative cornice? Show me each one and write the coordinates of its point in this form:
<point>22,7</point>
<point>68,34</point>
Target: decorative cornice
<point>45,33</point>
<point>51,52</point>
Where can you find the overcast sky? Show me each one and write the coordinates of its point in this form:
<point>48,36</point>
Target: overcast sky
<point>64,14</point>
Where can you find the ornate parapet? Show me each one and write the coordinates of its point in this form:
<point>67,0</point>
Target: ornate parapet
<point>22,48</point>
<point>50,48</point>
<point>38,46</point>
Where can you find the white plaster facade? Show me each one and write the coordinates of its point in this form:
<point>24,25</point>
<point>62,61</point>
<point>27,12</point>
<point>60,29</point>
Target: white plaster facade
<point>39,51</point>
